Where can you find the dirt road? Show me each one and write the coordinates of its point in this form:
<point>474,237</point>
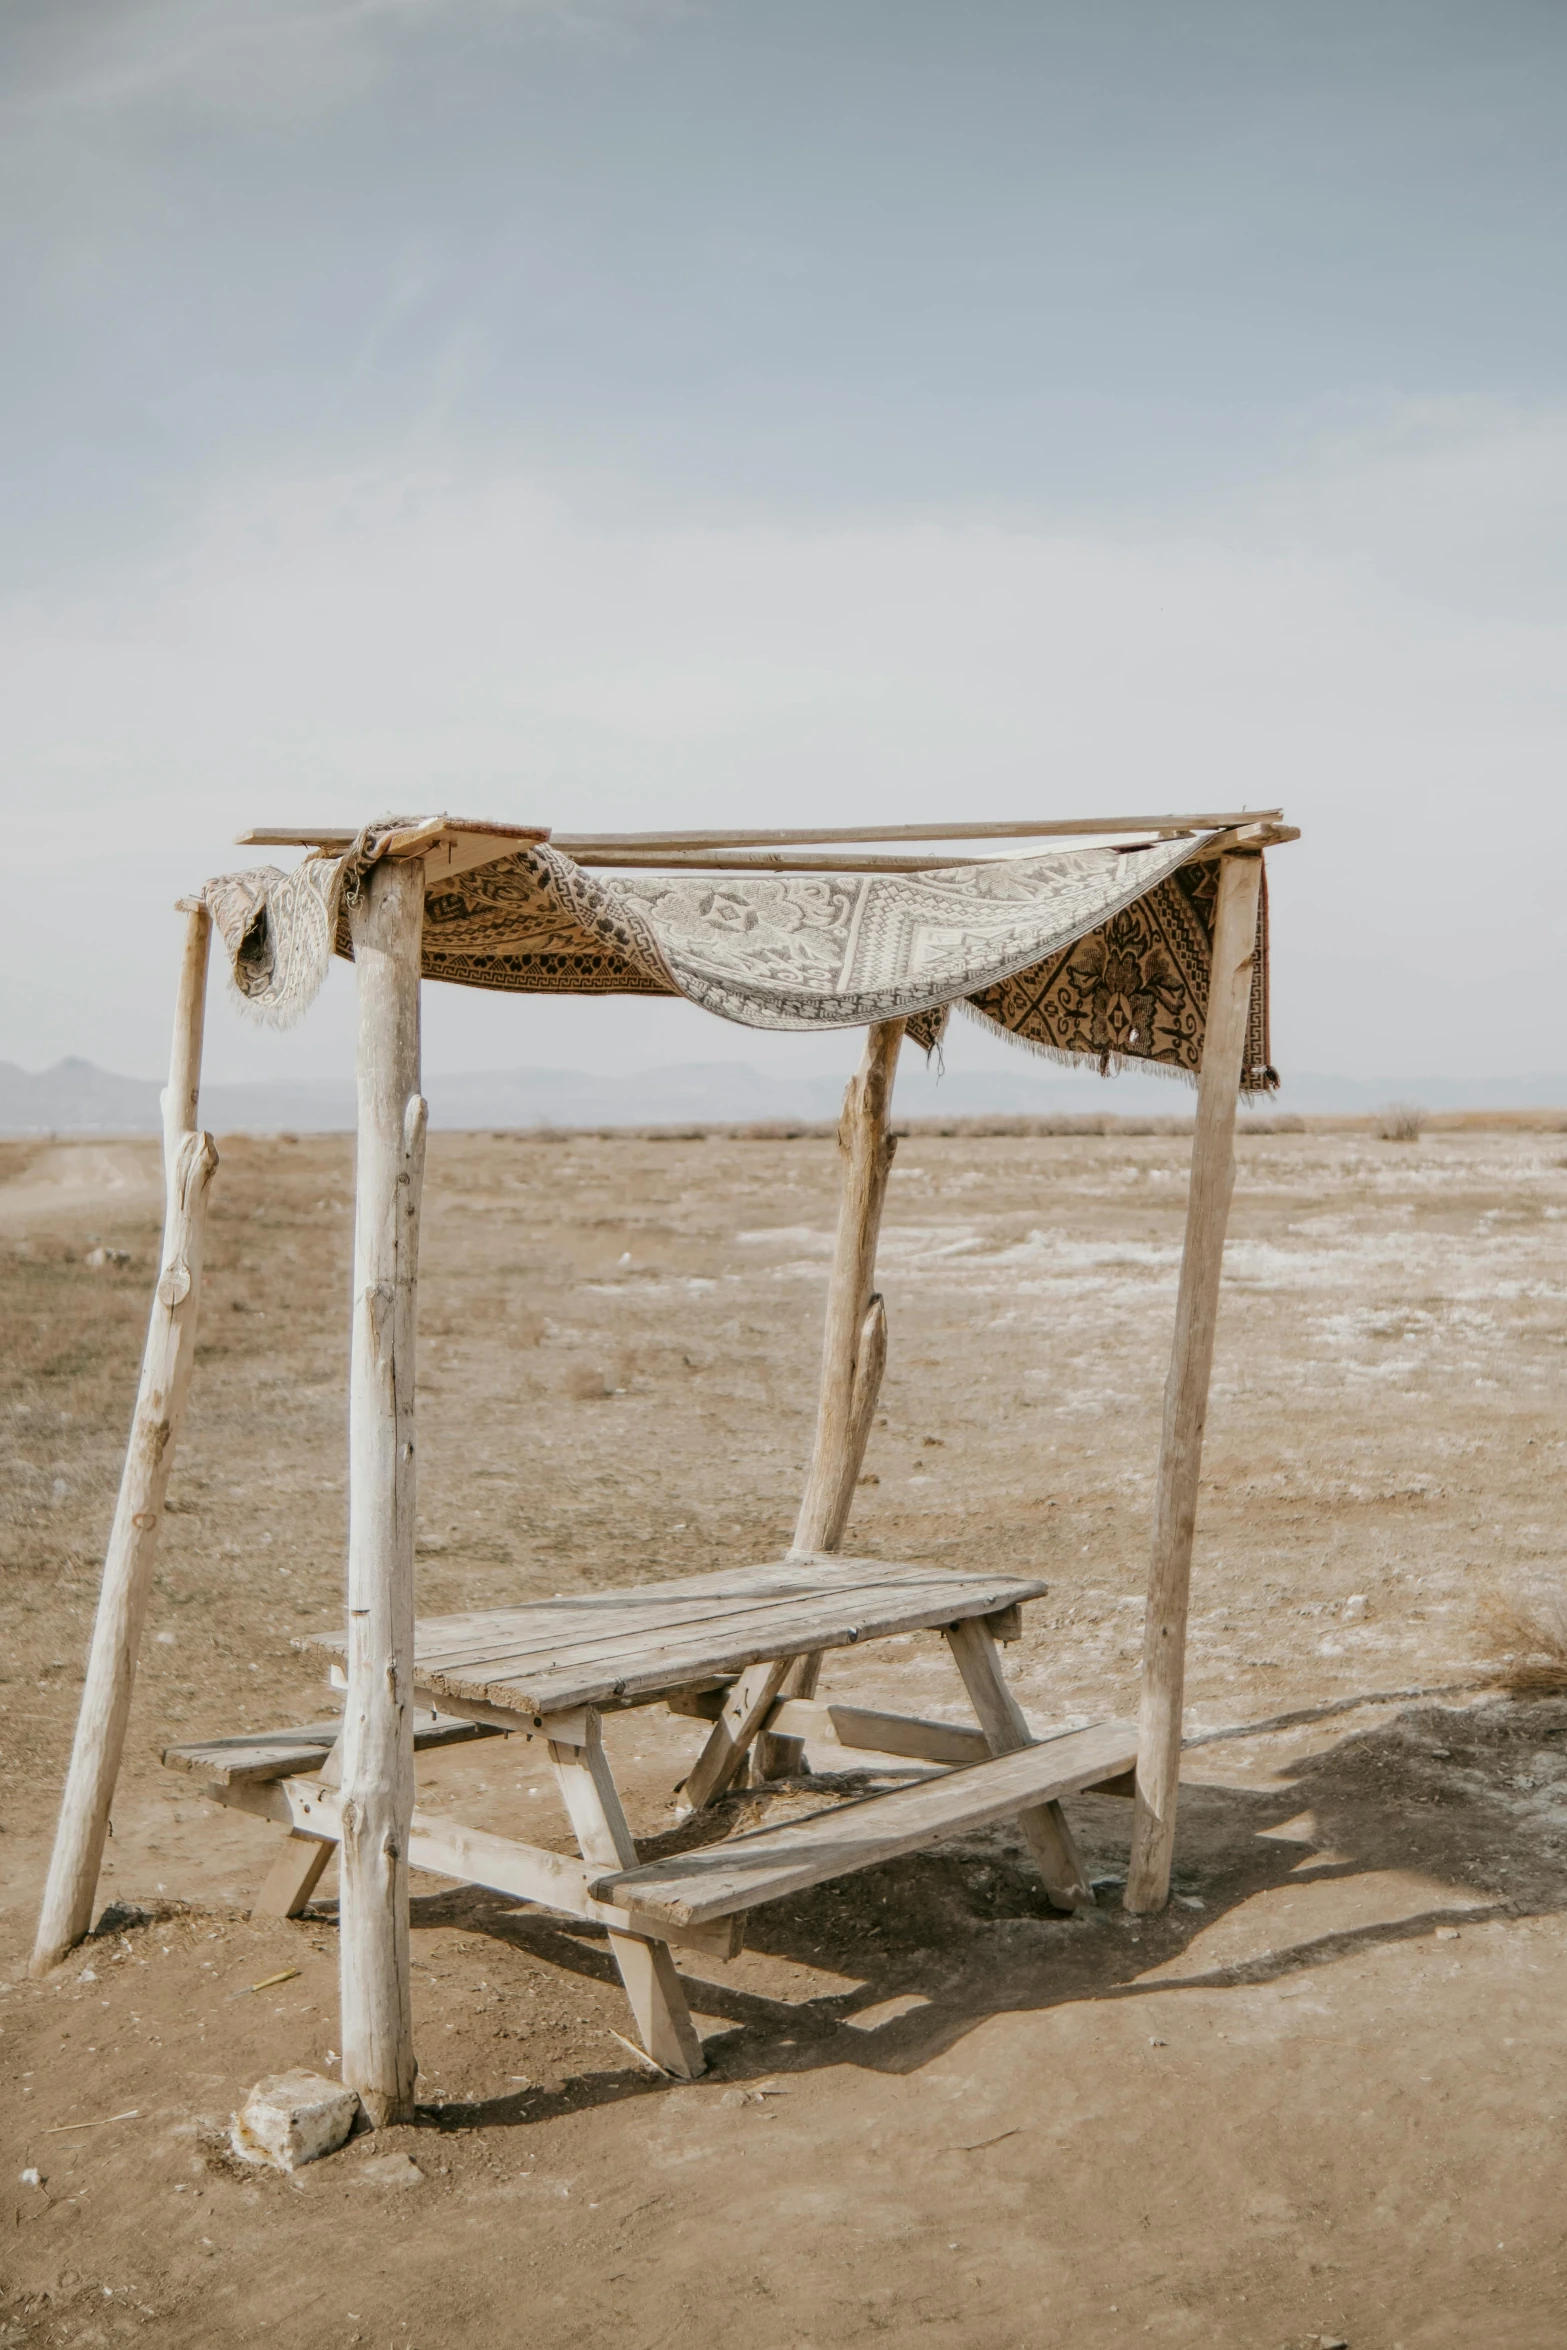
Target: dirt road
<point>1322,2099</point>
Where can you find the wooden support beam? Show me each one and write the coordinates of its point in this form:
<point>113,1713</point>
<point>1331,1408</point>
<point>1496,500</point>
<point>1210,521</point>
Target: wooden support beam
<point>377,1745</point>
<point>647,1970</point>
<point>770,861</point>
<point>571,844</point>
<point>1001,1718</point>
<point>745,1707</point>
<point>294,1875</point>
<point>468,1856</point>
<point>189,1161</point>
<point>854,1344</point>
<point>1186,1389</point>
<point>863,1730</point>
<point>581,845</point>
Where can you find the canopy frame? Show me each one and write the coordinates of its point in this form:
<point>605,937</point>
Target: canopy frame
<point>375,1755</point>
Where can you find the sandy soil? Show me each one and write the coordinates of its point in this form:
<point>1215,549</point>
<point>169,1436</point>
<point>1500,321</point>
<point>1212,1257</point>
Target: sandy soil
<point>1321,2099</point>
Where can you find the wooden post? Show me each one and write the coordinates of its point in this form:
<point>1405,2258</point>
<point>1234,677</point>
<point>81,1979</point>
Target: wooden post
<point>868,1149</point>
<point>854,1347</point>
<point>378,1721</point>
<point>189,1160</point>
<point>1186,1389</point>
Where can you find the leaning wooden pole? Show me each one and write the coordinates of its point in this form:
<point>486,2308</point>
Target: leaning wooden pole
<point>377,1738</point>
<point>854,1346</point>
<point>1186,1389</point>
<point>189,1160</point>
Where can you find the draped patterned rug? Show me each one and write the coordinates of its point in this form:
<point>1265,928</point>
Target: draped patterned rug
<point>1096,953</point>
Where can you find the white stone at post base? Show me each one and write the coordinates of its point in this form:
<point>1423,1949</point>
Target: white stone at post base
<point>290,2119</point>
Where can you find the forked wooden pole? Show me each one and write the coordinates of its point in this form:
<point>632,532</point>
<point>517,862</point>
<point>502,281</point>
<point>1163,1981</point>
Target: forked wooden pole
<point>867,1147</point>
<point>189,1160</point>
<point>854,1347</point>
<point>378,1720</point>
<point>1186,1389</point>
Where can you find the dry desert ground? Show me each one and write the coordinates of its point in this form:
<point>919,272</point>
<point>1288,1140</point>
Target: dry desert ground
<point>1323,2098</point>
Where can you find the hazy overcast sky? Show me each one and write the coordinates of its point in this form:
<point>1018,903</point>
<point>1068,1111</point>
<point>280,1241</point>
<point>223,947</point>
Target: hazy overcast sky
<point>624,413</point>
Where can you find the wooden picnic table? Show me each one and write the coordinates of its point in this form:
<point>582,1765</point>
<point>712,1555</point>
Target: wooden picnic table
<point>717,1648</point>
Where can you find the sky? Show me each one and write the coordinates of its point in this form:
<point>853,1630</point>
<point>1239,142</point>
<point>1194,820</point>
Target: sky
<point>621,414</point>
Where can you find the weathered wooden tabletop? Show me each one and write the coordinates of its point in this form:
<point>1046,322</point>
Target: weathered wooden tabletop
<point>619,1648</point>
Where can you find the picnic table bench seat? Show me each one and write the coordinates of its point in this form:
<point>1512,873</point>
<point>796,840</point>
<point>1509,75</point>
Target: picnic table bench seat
<point>256,1757</point>
<point>695,1888</point>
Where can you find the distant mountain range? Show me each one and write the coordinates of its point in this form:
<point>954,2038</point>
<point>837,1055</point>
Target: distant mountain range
<point>75,1097</point>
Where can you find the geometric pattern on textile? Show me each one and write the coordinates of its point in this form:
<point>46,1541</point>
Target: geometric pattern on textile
<point>838,950</point>
<point>513,926</point>
<point>279,929</point>
<point>1135,991</point>
<point>1097,953</point>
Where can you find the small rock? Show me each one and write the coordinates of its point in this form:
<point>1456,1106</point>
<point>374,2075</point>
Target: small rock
<point>98,1258</point>
<point>1355,1608</point>
<point>88,1975</point>
<point>1332,2342</point>
<point>31,2177</point>
<point>290,2119</point>
<point>1158,2043</point>
<point>734,2097</point>
<point>391,2170</point>
<point>1447,1933</point>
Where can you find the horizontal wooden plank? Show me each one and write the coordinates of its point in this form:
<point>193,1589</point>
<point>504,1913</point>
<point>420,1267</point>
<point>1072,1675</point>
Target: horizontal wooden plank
<point>608,1616</point>
<point>624,1672</point>
<point>257,1756</point>
<point>567,1729</point>
<point>1029,828</point>
<point>512,1646</point>
<point>863,1730</point>
<point>778,861</point>
<point>337,836</point>
<point>696,1887</point>
<point>859,1727</point>
<point>621,1647</point>
<point>444,1848</point>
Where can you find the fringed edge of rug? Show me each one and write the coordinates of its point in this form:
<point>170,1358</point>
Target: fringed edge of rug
<point>1256,1082</point>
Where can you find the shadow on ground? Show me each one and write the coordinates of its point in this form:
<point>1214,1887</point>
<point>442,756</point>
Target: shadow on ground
<point>1473,1799</point>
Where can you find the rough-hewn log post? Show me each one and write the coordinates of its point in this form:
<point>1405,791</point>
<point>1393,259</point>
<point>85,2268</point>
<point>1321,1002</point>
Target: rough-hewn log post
<point>188,1163</point>
<point>854,1347</point>
<point>1186,1389</point>
<point>377,1738</point>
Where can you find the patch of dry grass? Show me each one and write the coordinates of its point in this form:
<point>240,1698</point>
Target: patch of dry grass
<point>1399,1122</point>
<point>1525,1626</point>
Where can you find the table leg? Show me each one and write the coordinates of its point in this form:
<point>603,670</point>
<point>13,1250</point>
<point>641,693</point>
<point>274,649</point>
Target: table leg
<point>729,1742</point>
<point>653,1987</point>
<point>302,1863</point>
<point>293,1876</point>
<point>1001,1718</point>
